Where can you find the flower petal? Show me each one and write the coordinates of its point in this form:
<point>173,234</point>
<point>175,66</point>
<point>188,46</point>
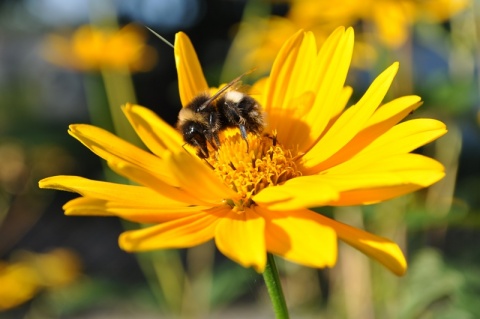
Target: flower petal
<point>180,233</point>
<point>128,195</point>
<point>112,148</point>
<point>390,171</point>
<point>381,249</point>
<point>181,194</point>
<point>334,61</point>
<point>400,139</point>
<point>406,137</point>
<point>195,176</point>
<point>373,195</point>
<point>402,174</point>
<point>394,111</point>
<point>191,80</point>
<point>274,97</point>
<point>336,188</point>
<point>108,191</point>
<point>299,237</point>
<point>299,91</point>
<point>351,121</point>
<point>384,118</point>
<point>240,237</point>
<point>136,212</point>
<point>157,135</point>
<point>296,193</point>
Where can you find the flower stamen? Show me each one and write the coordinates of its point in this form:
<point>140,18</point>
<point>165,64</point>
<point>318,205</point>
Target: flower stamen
<point>249,169</point>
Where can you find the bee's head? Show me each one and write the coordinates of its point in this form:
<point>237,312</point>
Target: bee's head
<point>194,133</point>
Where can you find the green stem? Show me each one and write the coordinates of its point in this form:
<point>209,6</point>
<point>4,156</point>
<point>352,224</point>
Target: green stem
<point>274,287</point>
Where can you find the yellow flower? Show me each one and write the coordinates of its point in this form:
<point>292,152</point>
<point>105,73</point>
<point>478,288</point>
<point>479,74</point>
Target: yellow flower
<point>258,40</point>
<point>314,153</point>
<point>19,284</point>
<point>92,48</point>
<point>23,278</point>
<point>391,19</point>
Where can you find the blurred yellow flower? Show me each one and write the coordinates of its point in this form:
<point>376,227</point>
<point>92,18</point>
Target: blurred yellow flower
<point>29,273</point>
<point>91,48</point>
<point>260,39</point>
<point>253,200</point>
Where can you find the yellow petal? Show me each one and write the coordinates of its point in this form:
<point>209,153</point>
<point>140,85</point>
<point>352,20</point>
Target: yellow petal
<point>195,176</point>
<point>241,237</point>
<point>334,188</point>
<point>107,191</point>
<point>303,92</point>
<point>381,121</point>
<point>191,80</point>
<point>407,136</point>
<point>142,177</point>
<point>343,99</point>
<point>392,112</point>
<point>278,81</point>
<point>294,86</point>
<point>181,233</point>
<point>140,212</point>
<point>351,121</point>
<point>85,206</point>
<point>157,135</point>
<point>381,249</point>
<point>299,237</point>
<point>296,193</point>
<point>373,195</point>
<point>413,168</point>
<point>400,139</point>
<point>390,171</point>
<point>334,61</point>
<point>112,148</point>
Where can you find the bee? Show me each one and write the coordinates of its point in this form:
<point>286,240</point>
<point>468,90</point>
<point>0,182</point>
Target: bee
<point>201,120</point>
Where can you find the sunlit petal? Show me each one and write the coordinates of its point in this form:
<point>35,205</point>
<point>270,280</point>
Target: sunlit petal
<point>352,120</point>
<point>136,212</point>
<point>157,135</point>
<point>373,195</point>
<point>241,237</point>
<point>299,237</point>
<point>334,61</point>
<point>297,193</point>
<point>180,233</point>
<point>196,176</point>
<point>143,178</point>
<point>191,81</point>
<point>112,148</point>
<point>380,122</point>
<point>107,191</point>
<point>400,139</point>
<point>381,249</point>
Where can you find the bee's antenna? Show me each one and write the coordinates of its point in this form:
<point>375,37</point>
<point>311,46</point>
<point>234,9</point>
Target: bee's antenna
<point>160,37</point>
<point>219,92</point>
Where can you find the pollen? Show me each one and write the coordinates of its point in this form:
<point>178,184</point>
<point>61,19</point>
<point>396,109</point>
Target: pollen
<point>249,168</point>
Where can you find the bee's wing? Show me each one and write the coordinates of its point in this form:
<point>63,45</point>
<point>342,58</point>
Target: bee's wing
<point>222,90</point>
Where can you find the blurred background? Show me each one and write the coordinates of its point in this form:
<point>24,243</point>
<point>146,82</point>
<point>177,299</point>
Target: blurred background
<point>77,61</point>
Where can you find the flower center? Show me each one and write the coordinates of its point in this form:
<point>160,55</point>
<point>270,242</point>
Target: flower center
<point>248,169</point>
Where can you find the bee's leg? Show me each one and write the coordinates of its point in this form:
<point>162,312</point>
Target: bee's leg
<point>216,139</point>
<point>202,149</point>
<point>243,132</point>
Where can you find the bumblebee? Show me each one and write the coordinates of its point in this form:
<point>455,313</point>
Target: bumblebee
<point>201,120</point>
